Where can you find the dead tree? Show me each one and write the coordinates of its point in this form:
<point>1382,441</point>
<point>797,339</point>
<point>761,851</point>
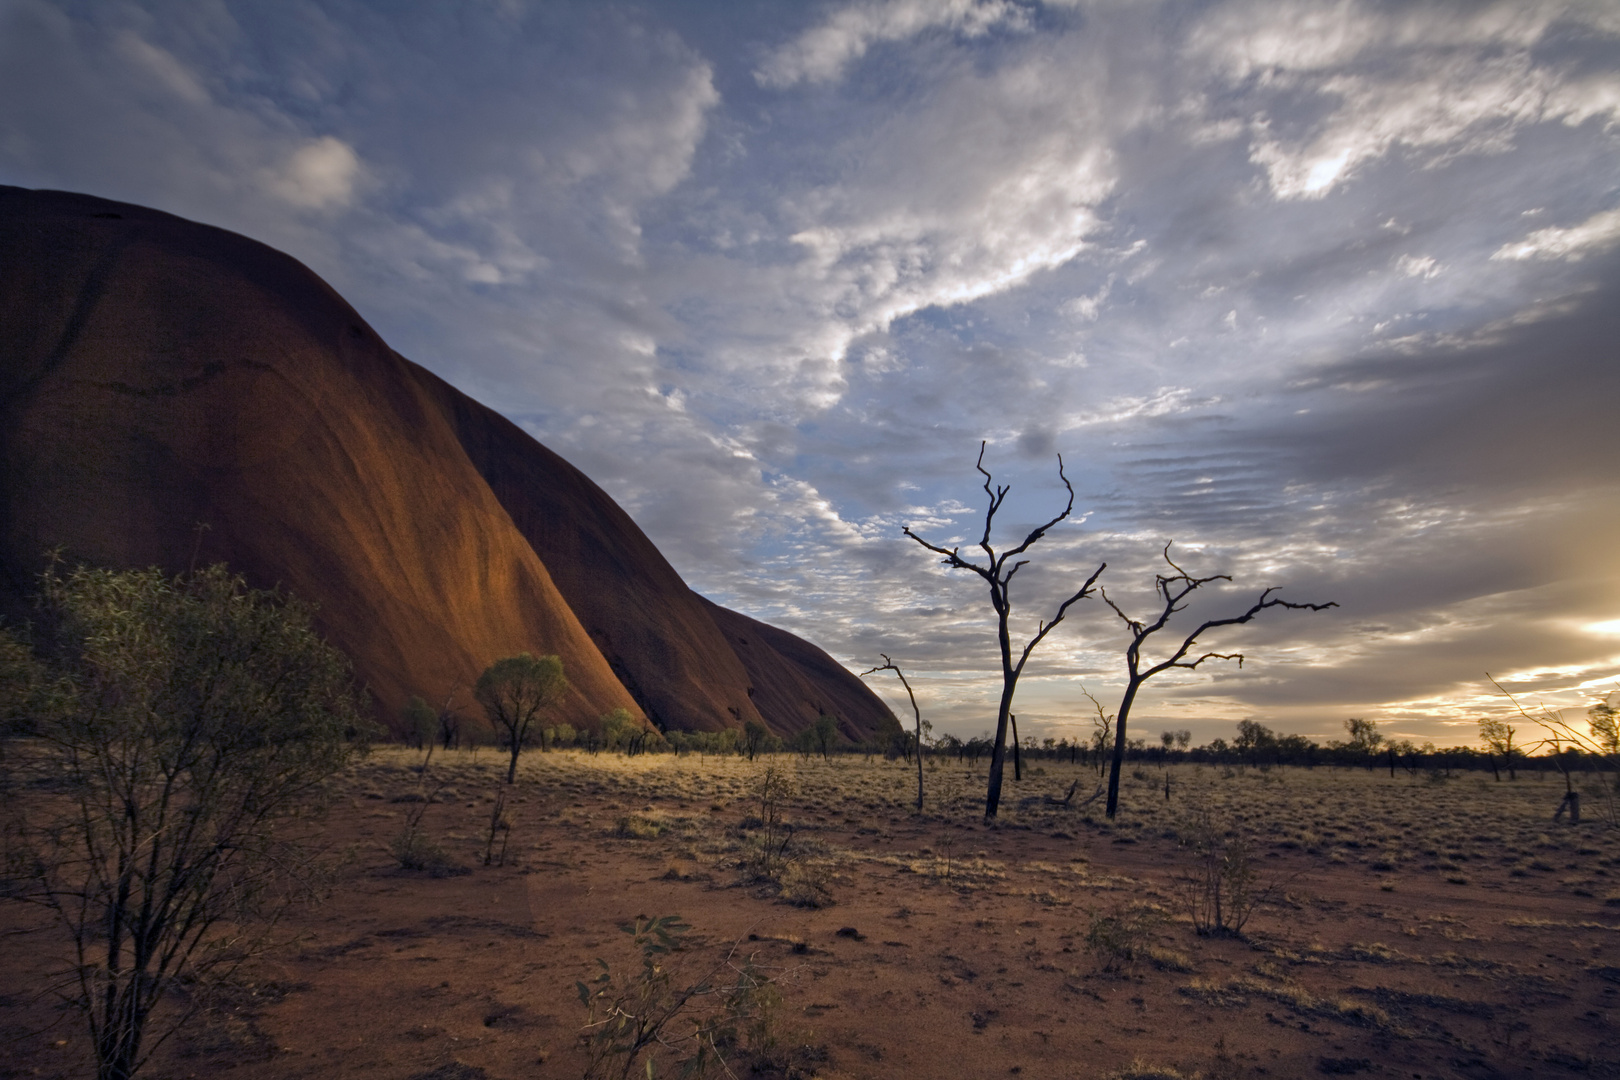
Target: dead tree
<point>1018,757</point>
<point>1173,589</point>
<point>890,665</point>
<point>998,575</point>
<point>1598,743</point>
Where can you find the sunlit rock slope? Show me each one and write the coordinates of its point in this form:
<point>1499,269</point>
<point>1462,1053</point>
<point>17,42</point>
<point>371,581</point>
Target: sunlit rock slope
<point>174,394</point>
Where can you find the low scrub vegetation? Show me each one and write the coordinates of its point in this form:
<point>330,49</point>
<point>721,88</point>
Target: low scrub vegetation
<point>676,1013</point>
<point>1196,899</point>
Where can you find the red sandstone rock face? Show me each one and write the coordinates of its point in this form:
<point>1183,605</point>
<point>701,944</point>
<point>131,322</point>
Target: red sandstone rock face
<point>795,682</point>
<point>652,629</point>
<point>156,374</point>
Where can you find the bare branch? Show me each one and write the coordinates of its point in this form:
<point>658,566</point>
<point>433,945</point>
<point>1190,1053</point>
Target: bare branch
<point>949,553</point>
<point>1042,530</point>
<point>1211,656</point>
<point>1135,626</point>
<point>1552,721</point>
<point>952,559</point>
<point>997,497</point>
<point>1172,562</point>
<point>1259,605</point>
<point>890,665</point>
<point>1045,628</point>
<point>1500,689</point>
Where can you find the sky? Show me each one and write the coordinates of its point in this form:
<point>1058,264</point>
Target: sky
<point>1322,292</point>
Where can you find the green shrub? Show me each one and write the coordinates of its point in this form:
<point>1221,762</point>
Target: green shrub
<point>191,723</point>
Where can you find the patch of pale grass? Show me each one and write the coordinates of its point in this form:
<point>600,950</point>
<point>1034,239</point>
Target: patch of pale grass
<point>1357,819</point>
<point>1140,1070</point>
<point>1166,959</point>
<point>1235,993</point>
<point>1560,924</point>
<point>1375,953</point>
<point>965,871</point>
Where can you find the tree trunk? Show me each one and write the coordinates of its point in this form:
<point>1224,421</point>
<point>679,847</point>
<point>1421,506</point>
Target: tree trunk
<point>919,764</point>
<point>511,770</point>
<point>998,753</point>
<point>1119,746</point>
<point>1018,760</point>
<point>124,1021</point>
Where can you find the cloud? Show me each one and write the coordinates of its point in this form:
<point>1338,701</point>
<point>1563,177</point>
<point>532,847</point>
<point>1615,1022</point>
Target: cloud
<point>821,53</point>
<point>161,67</point>
<point>1439,80</point>
<point>1418,266</point>
<point>319,175</point>
<point>1596,234</point>
<point>996,175</point>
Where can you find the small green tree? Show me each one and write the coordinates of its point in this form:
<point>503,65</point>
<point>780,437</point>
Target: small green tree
<point>1254,740</point>
<point>753,738</point>
<point>1365,738</point>
<point>804,743</point>
<point>421,723</point>
<point>618,728</point>
<point>825,734</point>
<point>514,692</point>
<point>187,723</point>
<point>1603,721</point>
<point>1497,735</point>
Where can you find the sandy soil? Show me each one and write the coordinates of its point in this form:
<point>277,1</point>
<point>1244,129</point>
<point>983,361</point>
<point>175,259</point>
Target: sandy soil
<point>944,948</point>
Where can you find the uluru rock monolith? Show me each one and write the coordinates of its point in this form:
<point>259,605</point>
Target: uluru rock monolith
<point>173,394</point>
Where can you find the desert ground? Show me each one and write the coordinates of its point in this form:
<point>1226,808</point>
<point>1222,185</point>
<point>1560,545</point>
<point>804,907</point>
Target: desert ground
<point>1411,926</point>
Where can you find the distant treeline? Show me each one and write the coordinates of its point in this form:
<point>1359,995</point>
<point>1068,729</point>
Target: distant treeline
<point>1257,746</point>
<point>1254,745</point>
<point>1565,749</point>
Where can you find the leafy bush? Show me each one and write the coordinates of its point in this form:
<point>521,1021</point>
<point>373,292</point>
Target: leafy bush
<point>191,723</point>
